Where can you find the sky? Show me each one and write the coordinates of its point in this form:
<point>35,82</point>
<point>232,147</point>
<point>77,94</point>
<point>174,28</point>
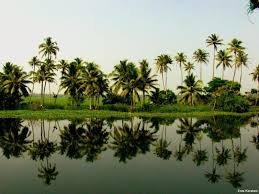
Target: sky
<point>107,31</point>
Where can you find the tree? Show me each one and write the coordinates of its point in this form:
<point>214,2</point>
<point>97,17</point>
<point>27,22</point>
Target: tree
<point>241,60</point>
<point>201,56</point>
<point>215,41</point>
<point>252,5</point>
<point>191,93</point>
<point>162,65</point>
<point>14,82</point>
<point>255,78</point>
<point>147,81</point>
<point>72,80</point>
<point>189,66</point>
<point>48,48</point>
<point>235,46</point>
<point>181,59</point>
<point>224,59</point>
<point>34,62</point>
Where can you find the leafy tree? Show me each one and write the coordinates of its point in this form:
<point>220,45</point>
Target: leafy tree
<point>215,41</point>
<point>163,97</point>
<point>191,93</point>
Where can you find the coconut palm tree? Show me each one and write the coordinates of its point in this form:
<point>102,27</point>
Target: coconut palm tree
<point>14,81</point>
<point>192,91</point>
<point>241,61</point>
<point>72,80</point>
<point>215,41</point>
<point>189,66</point>
<point>181,59</point>
<point>224,59</point>
<point>48,172</point>
<point>48,48</point>
<point>147,81</point>
<point>255,78</point>
<point>235,46</point>
<point>162,65</point>
<point>202,57</point>
<point>200,156</point>
<point>34,62</point>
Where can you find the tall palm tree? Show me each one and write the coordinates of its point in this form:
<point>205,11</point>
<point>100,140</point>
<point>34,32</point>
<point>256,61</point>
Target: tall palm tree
<point>192,91</point>
<point>235,46</point>
<point>162,65</point>
<point>215,41</point>
<point>189,66</point>
<point>147,81</point>
<point>181,59</point>
<point>202,57</point>
<point>34,62</point>
<point>255,77</point>
<point>224,59</point>
<point>72,80</point>
<point>241,60</point>
<point>48,48</point>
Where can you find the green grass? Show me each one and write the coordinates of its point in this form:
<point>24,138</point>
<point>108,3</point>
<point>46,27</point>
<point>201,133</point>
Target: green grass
<point>80,114</point>
<point>63,110</point>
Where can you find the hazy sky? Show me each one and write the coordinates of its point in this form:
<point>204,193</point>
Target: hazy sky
<point>107,31</point>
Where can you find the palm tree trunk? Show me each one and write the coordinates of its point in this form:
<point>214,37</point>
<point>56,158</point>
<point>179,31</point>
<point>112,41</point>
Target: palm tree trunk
<point>181,73</point>
<point>90,106</point>
<point>41,93</point>
<point>213,70</point>
<point>241,73</point>
<point>44,91</point>
<point>32,92</point>
<point>235,69</point>
<point>49,93</point>
<point>166,81</point>
<point>163,80</point>
<point>223,72</point>
<point>201,72</point>
<point>256,99</point>
<point>143,101</point>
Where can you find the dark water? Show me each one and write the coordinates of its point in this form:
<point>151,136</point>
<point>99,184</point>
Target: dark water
<point>134,156</point>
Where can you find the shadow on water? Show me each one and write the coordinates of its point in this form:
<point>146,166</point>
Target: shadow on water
<point>214,143</point>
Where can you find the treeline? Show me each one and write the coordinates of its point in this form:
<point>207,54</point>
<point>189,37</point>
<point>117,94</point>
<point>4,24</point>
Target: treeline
<point>129,83</point>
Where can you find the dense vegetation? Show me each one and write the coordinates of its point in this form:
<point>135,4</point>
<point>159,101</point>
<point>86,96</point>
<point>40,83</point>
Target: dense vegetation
<point>130,87</point>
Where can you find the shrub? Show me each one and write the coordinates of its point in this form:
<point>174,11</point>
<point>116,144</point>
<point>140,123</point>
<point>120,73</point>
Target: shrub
<point>112,98</point>
<point>231,102</point>
<point>116,107</point>
<point>163,97</point>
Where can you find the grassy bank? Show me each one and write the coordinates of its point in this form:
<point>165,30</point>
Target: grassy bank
<point>69,114</point>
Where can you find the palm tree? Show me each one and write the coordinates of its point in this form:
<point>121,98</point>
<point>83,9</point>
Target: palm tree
<point>15,81</point>
<point>224,59</point>
<point>161,146</point>
<point>147,81</point>
<point>48,172</point>
<point>215,41</point>
<point>189,66</point>
<point>200,156</point>
<point>201,56</point>
<point>235,46</point>
<point>241,60</point>
<point>71,81</point>
<point>162,65</point>
<point>48,48</point>
<point>192,91</point>
<point>255,77</point>
<point>34,62</point>
<point>181,59</point>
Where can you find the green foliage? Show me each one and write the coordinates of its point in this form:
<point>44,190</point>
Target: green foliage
<point>229,101</point>
<point>158,97</point>
<point>217,83</point>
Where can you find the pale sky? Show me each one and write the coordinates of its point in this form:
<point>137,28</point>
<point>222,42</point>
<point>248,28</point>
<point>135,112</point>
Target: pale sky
<point>107,31</point>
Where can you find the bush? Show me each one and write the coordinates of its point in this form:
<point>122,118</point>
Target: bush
<point>217,83</point>
<point>231,102</point>
<point>163,97</point>
<point>112,98</point>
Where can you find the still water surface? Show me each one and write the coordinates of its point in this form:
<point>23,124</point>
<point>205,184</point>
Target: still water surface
<point>136,156</point>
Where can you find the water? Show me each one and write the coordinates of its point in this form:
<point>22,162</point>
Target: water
<point>136,156</point>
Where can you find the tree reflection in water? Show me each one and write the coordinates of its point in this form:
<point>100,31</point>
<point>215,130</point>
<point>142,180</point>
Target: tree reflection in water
<point>88,139</point>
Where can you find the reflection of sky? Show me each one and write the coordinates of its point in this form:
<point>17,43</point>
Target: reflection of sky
<point>143,174</point>
<point>108,31</point>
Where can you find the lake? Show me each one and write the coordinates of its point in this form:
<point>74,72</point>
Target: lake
<point>217,154</point>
